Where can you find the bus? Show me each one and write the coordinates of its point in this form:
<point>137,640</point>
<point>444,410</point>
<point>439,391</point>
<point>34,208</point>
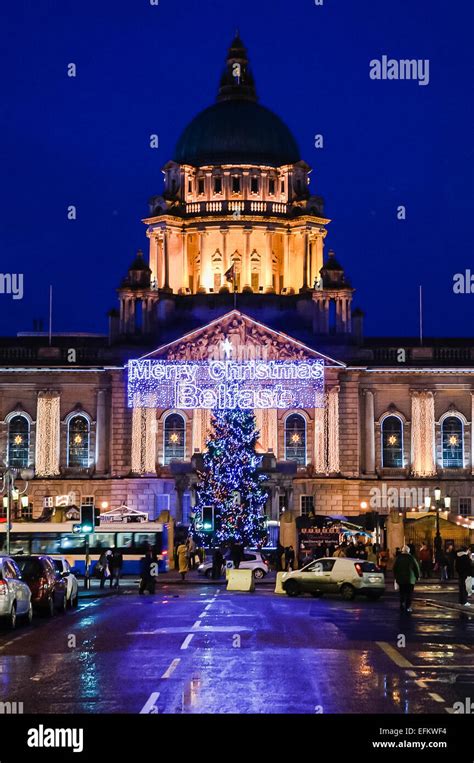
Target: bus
<point>58,538</point>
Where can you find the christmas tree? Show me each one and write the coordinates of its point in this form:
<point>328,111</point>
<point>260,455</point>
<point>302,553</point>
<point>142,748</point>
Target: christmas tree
<point>230,482</point>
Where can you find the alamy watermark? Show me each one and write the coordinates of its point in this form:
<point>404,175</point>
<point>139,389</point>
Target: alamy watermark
<point>386,497</point>
<point>416,69</point>
<point>12,283</point>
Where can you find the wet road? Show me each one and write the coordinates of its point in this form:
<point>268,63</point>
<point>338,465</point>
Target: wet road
<point>199,649</point>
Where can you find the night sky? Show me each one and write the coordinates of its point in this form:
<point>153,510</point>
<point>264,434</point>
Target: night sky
<point>144,69</point>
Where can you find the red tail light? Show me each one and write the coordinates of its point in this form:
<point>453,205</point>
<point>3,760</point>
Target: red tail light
<point>3,588</point>
<point>358,570</point>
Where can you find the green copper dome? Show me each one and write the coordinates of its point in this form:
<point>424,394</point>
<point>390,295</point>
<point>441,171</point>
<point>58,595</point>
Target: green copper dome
<point>237,129</point>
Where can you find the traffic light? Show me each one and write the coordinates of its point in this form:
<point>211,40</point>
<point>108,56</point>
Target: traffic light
<point>208,519</point>
<point>89,518</point>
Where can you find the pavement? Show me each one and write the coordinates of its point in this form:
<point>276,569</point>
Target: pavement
<point>196,648</point>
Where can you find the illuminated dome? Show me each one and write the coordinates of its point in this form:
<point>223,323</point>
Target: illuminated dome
<point>237,129</point>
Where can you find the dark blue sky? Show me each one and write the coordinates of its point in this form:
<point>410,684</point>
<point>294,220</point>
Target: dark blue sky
<point>145,69</point>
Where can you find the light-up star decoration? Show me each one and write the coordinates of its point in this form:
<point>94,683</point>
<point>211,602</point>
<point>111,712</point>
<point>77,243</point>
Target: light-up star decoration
<point>227,348</point>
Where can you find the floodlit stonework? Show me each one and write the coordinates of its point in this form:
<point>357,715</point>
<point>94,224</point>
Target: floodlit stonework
<point>236,252</point>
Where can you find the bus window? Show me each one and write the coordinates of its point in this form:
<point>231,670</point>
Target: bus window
<point>70,542</point>
<point>20,543</point>
<point>124,540</point>
<point>102,541</point>
<point>142,541</point>
<point>46,544</point>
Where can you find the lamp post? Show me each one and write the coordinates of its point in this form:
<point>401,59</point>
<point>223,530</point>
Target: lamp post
<point>12,493</point>
<point>440,503</point>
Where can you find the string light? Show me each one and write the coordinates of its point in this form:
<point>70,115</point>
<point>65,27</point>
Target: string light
<point>144,441</point>
<point>230,481</point>
<point>422,434</point>
<point>18,439</point>
<point>47,435</point>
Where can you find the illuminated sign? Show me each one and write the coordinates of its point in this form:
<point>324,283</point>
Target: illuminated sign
<point>248,384</point>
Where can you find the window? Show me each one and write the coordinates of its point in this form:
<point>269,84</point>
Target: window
<point>295,439</point>
<point>235,184</point>
<point>201,186</point>
<point>271,187</point>
<point>218,185</point>
<point>18,441</point>
<point>87,500</point>
<point>282,503</point>
<point>174,437</point>
<point>392,442</point>
<point>307,505</point>
<point>254,184</point>
<point>283,186</point>
<point>78,442</point>
<point>452,439</point>
<point>465,507</point>
<point>321,565</point>
<point>27,511</point>
<point>190,186</point>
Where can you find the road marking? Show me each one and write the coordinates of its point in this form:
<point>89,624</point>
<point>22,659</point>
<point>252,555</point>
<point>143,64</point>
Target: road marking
<point>395,656</point>
<point>187,641</point>
<point>149,705</point>
<point>411,673</point>
<point>171,668</point>
<point>208,606</point>
<point>203,614</point>
<point>196,625</point>
<point>435,696</point>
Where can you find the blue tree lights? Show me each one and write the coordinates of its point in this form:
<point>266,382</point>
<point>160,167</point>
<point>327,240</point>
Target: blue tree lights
<point>230,482</point>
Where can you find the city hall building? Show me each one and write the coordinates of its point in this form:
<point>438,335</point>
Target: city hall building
<point>236,271</point>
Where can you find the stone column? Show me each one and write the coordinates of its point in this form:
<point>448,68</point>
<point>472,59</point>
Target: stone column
<point>245,275</point>
<point>305,259</point>
<point>268,271</point>
<point>286,262</point>
<point>166,263</point>
<point>153,258</point>
<point>369,432</point>
<point>225,256</point>
<point>185,279</point>
<point>206,274</point>
<point>101,433</point>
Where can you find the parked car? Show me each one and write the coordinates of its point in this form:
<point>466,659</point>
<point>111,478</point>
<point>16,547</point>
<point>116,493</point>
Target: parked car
<point>348,577</point>
<point>15,595</point>
<point>253,560</point>
<point>64,568</point>
<point>48,587</point>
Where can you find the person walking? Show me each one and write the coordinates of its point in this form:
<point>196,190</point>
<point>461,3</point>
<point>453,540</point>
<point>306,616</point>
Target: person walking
<point>116,562</point>
<point>149,567</point>
<point>464,569</point>
<point>425,561</point>
<point>289,558</point>
<point>406,572</point>
<point>217,562</point>
<point>451,557</point>
<point>182,552</point>
<point>191,552</point>
<point>441,561</point>
<point>103,567</point>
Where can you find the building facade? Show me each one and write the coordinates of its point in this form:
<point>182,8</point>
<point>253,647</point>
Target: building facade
<point>236,264</point>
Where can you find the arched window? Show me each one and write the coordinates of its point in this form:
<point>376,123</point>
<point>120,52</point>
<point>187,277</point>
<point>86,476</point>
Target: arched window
<point>452,438</point>
<point>18,441</point>
<point>392,442</point>
<point>295,439</point>
<point>175,434</point>
<point>78,442</point>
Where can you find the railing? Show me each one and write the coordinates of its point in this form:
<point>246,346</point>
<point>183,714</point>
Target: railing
<point>231,207</point>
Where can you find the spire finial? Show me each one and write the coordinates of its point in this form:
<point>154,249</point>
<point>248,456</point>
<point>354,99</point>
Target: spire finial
<point>237,82</point>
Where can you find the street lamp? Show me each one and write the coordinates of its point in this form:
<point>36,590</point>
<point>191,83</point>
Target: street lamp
<point>12,492</point>
<point>440,503</point>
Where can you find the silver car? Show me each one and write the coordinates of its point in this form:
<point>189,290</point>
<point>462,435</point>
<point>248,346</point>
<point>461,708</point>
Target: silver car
<point>348,577</point>
<point>15,595</point>
<point>252,560</point>
<point>64,568</point>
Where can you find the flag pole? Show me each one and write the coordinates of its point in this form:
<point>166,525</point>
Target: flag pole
<point>50,313</point>
<point>421,315</point>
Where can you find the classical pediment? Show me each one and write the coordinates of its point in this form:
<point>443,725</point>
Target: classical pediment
<point>239,337</point>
